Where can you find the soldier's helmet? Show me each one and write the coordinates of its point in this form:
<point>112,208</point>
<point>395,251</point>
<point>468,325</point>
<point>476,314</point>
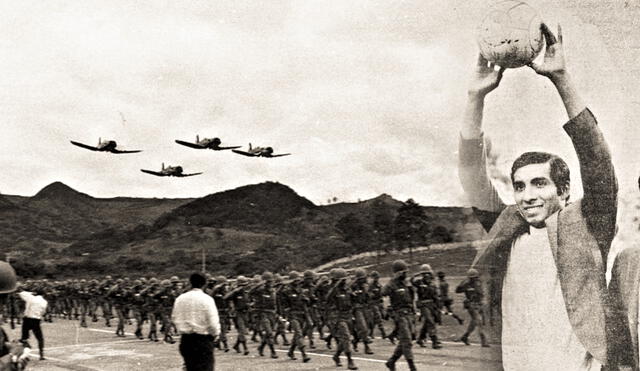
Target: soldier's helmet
<point>119,281</point>
<point>143,280</point>
<point>341,273</point>
<point>360,273</point>
<point>137,282</point>
<point>242,280</point>
<point>153,281</point>
<point>333,274</point>
<point>8,278</point>
<point>278,278</point>
<point>399,266</point>
<point>107,278</point>
<point>309,274</point>
<point>294,275</point>
<point>221,279</point>
<point>174,279</point>
<point>472,273</point>
<point>165,283</point>
<point>441,274</point>
<point>375,274</point>
<point>426,268</point>
<point>267,276</point>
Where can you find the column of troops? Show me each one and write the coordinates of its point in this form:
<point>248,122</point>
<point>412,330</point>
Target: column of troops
<point>344,309</point>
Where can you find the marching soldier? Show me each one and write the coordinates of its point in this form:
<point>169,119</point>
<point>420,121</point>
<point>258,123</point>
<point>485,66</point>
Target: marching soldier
<point>339,300</point>
<point>472,289</point>
<point>296,306</point>
<point>376,305</point>
<point>218,293</point>
<point>116,295</point>
<point>265,307</point>
<point>280,320</point>
<point>360,298</point>
<point>428,305</point>
<point>165,298</point>
<point>445,300</point>
<point>239,298</point>
<point>401,297</point>
<point>309,290</point>
<point>137,305</point>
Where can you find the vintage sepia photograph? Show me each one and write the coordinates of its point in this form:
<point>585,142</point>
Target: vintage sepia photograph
<point>320,185</point>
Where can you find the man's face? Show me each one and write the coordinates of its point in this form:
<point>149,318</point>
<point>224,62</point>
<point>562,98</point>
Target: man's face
<point>536,195</point>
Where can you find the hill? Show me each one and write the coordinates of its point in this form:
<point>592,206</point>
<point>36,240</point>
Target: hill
<point>244,230</point>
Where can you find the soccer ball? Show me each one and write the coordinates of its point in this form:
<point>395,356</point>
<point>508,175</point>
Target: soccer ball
<point>510,34</point>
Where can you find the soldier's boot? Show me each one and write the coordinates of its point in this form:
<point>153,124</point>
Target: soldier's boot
<point>246,350</point>
<point>138,334</point>
<point>107,323</point>
<point>285,342</point>
<point>94,318</point>
<point>350,364</point>
<point>381,328</point>
<point>254,337</point>
<point>261,348</point>
<point>412,365</point>
<point>169,339</point>
<point>273,351</point>
<point>391,362</point>
<point>42,354</point>
<point>435,344</point>
<point>483,341</point>
<point>305,357</point>
<point>354,343</point>
<point>290,352</point>
<point>328,340</point>
<point>83,323</point>
<point>311,344</point>
<point>226,346</point>
<point>367,349</point>
<point>460,320</point>
<point>336,358</point>
<point>465,339</point>
<point>236,346</point>
<point>421,343</point>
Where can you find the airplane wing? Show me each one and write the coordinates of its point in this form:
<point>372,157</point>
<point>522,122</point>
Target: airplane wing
<point>84,146</point>
<point>223,148</point>
<point>119,151</point>
<point>243,153</point>
<point>189,144</point>
<point>183,175</point>
<point>280,155</point>
<point>152,172</point>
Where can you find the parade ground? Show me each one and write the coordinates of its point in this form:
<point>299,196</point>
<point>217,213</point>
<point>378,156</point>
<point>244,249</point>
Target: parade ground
<point>70,347</point>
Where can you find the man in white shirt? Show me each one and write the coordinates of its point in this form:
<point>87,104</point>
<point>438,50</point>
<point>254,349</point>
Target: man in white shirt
<point>35,308</point>
<point>196,318</point>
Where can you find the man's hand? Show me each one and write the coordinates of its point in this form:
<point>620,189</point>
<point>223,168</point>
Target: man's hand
<point>485,77</point>
<point>553,65</point>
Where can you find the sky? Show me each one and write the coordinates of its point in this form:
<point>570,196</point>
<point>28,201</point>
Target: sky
<point>366,95</point>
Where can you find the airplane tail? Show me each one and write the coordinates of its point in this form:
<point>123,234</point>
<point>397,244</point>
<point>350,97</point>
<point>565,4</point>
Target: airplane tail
<point>99,140</point>
<point>197,138</point>
<point>163,166</point>
<point>249,146</point>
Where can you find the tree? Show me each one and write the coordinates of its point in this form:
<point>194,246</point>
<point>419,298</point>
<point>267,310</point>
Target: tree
<point>355,231</point>
<point>383,220</point>
<point>411,226</point>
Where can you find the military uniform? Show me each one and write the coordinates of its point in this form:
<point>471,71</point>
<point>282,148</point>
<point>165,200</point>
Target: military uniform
<point>360,300</point>
<point>265,306</point>
<point>445,300</point>
<point>218,293</point>
<point>376,306</point>
<point>239,298</point>
<point>428,303</point>
<point>340,303</point>
<point>401,297</point>
<point>474,294</point>
<point>295,304</point>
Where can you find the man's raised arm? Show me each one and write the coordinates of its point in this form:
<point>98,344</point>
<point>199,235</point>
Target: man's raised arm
<point>472,162</point>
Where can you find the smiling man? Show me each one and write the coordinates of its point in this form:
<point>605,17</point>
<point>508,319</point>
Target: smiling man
<point>546,257</point>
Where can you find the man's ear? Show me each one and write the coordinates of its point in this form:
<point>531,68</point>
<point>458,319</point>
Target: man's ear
<point>565,195</point>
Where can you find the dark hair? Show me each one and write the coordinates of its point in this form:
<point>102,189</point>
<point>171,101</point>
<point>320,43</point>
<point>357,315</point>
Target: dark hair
<point>197,280</point>
<point>558,169</point>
